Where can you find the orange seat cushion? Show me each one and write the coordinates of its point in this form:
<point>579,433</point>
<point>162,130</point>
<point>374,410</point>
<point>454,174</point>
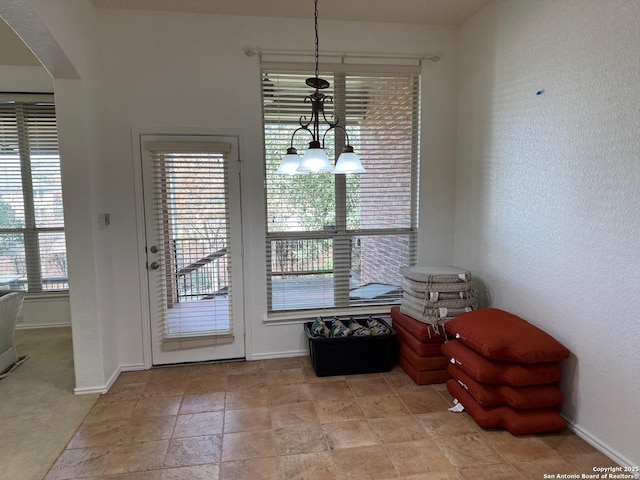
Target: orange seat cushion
<point>422,331</point>
<point>487,395</point>
<point>420,348</point>
<point>518,422</point>
<point>500,335</point>
<point>427,377</point>
<point>423,363</point>
<point>484,370</point>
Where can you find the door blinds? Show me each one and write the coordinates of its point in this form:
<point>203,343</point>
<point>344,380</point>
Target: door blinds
<point>336,241</point>
<point>190,269</point>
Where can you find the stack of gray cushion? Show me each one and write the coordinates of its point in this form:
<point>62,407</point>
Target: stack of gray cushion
<point>436,294</point>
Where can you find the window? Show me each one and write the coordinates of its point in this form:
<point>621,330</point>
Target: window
<point>32,242</point>
<point>337,241</point>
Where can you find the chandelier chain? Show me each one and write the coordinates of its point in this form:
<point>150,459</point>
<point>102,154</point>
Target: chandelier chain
<point>317,42</point>
<point>315,159</point>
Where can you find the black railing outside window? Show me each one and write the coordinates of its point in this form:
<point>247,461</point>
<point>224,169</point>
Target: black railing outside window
<point>201,269</point>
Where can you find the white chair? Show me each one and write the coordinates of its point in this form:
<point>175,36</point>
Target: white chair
<point>10,304</point>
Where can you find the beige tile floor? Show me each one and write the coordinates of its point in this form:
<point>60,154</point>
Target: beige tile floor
<point>275,419</point>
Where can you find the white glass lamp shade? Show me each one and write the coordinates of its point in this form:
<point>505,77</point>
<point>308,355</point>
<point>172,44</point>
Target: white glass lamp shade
<point>315,160</point>
<point>348,162</point>
<point>289,163</point>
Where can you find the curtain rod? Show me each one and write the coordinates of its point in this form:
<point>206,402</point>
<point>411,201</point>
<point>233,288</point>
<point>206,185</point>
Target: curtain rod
<point>250,52</point>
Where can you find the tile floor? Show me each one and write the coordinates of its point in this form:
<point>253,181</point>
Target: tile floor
<point>275,419</point>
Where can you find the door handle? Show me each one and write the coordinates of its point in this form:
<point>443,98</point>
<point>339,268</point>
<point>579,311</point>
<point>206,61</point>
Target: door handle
<point>153,249</point>
<point>154,266</point>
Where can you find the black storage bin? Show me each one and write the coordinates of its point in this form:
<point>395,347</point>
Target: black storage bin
<point>352,355</point>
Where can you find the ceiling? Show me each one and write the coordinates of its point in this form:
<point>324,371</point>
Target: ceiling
<point>13,51</point>
<point>421,12</point>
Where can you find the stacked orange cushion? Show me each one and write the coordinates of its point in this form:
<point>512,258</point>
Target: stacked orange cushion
<point>485,370</point>
<point>420,343</point>
<point>517,421</point>
<point>424,332</point>
<point>422,363</point>
<point>500,335</point>
<point>487,395</point>
<point>423,349</point>
<point>425,377</point>
<point>504,371</point>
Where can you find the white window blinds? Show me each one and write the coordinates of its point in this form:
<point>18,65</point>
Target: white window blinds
<point>336,241</point>
<point>32,241</point>
<point>191,239</point>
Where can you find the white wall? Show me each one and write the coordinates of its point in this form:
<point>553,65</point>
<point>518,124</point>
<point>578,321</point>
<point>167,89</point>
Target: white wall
<point>124,72</point>
<point>61,35</point>
<point>41,312</point>
<point>548,189</point>
<point>24,79</point>
<point>162,71</point>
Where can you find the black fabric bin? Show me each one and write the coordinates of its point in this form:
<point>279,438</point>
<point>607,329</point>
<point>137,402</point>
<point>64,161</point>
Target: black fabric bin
<point>352,355</point>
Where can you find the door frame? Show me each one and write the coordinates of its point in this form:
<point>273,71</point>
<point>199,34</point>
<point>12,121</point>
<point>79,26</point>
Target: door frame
<point>143,283</point>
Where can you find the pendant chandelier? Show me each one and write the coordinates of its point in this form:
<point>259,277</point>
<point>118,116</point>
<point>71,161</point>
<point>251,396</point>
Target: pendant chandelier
<point>315,159</point>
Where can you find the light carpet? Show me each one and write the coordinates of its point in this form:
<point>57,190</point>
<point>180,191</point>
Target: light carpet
<point>38,411</point>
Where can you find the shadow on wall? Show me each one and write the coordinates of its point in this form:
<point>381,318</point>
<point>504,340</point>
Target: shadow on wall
<point>569,366</point>
<point>570,380</point>
<point>482,291</point>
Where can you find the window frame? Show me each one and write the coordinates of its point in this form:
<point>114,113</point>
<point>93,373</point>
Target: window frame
<point>31,232</point>
<point>341,232</point>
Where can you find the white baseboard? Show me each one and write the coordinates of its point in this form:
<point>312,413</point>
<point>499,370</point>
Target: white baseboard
<point>603,447</point>
<point>89,390</point>
<point>132,368</point>
<point>105,388</point>
<point>270,356</point>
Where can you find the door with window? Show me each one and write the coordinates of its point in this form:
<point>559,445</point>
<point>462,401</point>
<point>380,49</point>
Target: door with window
<point>191,187</point>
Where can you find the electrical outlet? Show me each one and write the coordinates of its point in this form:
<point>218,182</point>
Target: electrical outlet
<point>20,319</point>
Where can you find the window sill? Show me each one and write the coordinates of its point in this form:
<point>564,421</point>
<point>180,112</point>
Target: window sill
<point>302,316</point>
<point>46,297</point>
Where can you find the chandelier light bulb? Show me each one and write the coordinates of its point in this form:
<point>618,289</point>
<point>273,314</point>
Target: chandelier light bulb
<point>315,160</point>
<point>290,163</point>
<point>348,162</point>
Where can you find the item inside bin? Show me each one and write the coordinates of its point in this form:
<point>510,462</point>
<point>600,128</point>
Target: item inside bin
<point>355,327</point>
<point>339,329</point>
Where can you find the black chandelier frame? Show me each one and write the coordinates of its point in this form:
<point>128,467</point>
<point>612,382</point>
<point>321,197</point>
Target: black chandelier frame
<point>318,100</point>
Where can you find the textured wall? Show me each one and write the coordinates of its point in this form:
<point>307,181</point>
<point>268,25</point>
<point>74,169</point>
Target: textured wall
<point>548,190</point>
